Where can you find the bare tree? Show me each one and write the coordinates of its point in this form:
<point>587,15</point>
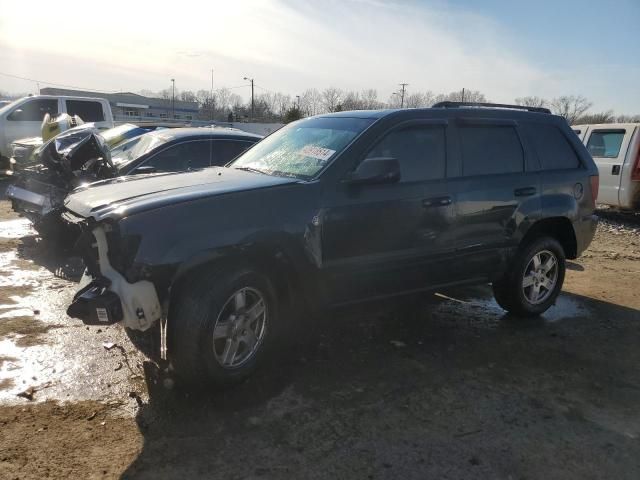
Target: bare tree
<point>537,102</point>
<point>331,98</point>
<point>351,101</point>
<point>369,99</point>
<point>628,118</point>
<point>311,102</point>
<point>457,96</point>
<point>419,99</point>
<point>600,117</point>
<point>187,96</point>
<point>570,107</point>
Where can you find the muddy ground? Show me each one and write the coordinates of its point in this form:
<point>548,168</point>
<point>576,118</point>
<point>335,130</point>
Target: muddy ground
<point>449,388</point>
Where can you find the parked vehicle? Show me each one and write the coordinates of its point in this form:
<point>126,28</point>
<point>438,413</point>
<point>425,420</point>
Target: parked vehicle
<point>23,117</point>
<point>615,147</point>
<point>334,210</point>
<point>82,156</point>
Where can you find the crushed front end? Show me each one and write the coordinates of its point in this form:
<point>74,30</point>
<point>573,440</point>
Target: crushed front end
<point>106,296</point>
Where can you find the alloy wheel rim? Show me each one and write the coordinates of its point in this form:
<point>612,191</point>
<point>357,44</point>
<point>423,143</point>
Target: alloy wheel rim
<point>240,327</point>
<point>540,277</point>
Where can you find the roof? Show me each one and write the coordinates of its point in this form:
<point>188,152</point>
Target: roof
<point>499,112</point>
<point>610,126</point>
<point>206,132</point>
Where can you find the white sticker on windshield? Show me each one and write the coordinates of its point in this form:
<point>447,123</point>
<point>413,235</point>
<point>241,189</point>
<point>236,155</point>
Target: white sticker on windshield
<point>319,153</point>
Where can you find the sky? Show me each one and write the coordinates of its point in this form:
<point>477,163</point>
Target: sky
<point>506,49</point>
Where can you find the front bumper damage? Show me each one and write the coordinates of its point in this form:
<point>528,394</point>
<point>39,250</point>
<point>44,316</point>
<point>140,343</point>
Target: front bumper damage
<point>105,296</point>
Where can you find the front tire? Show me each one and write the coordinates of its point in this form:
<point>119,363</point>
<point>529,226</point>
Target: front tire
<point>221,324</point>
<point>534,280</point>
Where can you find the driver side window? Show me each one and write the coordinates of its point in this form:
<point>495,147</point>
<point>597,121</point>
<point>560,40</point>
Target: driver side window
<point>420,150</point>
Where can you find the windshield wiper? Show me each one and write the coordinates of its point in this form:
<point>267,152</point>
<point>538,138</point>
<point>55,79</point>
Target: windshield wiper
<point>249,169</point>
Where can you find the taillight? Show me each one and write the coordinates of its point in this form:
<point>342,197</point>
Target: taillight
<point>635,171</point>
<point>595,185</point>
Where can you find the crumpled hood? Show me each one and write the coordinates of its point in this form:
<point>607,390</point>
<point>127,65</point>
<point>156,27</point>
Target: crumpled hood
<point>123,196</point>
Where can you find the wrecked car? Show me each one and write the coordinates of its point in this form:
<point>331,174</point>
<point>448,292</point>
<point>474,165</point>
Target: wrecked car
<point>334,210</point>
<point>83,156</point>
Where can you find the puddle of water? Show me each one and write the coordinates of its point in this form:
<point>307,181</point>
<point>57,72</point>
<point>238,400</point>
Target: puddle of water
<point>481,310</point>
<point>20,227</point>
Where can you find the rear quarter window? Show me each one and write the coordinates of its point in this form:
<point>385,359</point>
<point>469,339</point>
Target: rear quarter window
<point>490,150</point>
<point>552,147</point>
<point>87,110</point>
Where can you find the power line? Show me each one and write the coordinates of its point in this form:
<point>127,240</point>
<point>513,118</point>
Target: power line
<point>55,84</point>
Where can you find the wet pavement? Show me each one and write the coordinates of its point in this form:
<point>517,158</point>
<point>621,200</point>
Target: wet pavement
<point>436,386</point>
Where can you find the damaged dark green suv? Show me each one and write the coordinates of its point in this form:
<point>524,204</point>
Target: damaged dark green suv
<point>331,210</point>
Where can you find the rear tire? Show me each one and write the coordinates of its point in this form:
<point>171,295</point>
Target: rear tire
<point>220,325</point>
<point>534,279</point>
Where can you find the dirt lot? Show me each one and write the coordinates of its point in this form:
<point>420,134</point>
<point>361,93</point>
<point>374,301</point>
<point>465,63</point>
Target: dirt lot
<point>451,388</point>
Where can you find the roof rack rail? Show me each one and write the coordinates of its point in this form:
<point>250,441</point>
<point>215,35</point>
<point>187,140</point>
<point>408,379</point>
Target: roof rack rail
<point>490,105</point>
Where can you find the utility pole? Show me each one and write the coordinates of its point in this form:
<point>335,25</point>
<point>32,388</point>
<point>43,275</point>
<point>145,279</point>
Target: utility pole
<point>211,97</point>
<point>298,97</point>
<point>463,94</point>
<point>403,85</point>
<point>173,98</point>
<point>252,106</point>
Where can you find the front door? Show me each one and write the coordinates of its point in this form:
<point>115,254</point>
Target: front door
<point>26,119</point>
<point>382,239</point>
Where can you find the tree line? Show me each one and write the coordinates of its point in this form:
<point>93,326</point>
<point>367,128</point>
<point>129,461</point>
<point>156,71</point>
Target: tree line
<point>223,104</point>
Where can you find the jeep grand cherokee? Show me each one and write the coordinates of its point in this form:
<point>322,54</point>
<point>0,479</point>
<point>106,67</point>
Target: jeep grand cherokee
<point>337,209</point>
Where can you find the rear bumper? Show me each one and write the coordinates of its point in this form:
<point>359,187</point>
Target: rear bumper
<point>585,230</point>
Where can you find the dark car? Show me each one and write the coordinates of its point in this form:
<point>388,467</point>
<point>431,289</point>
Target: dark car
<point>334,210</point>
<point>82,157</point>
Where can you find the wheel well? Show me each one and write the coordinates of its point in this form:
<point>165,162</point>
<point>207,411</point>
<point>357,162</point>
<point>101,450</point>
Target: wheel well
<point>559,228</point>
<point>270,266</point>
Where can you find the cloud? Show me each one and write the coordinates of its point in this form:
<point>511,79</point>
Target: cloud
<point>285,45</point>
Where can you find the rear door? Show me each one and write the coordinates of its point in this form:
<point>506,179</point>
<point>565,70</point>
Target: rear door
<point>608,147</point>
<point>384,239</point>
<point>497,187</point>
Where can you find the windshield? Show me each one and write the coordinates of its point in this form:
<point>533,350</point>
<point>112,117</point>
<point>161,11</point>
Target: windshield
<point>146,143</point>
<point>303,148</point>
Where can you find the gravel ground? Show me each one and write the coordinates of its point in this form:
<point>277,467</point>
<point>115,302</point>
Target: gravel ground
<point>441,386</point>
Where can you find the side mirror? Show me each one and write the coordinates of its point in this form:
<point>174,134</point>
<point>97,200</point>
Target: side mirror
<point>375,170</point>
<point>145,169</point>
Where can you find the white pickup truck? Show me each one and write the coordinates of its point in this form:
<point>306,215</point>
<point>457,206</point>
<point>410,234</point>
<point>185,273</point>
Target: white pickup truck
<point>23,117</point>
<point>615,147</point>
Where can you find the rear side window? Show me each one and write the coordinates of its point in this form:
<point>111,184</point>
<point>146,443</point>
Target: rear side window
<point>419,149</point>
<point>34,110</point>
<point>605,143</point>
<point>226,150</point>
<point>87,110</point>
<point>552,147</point>
<point>490,149</point>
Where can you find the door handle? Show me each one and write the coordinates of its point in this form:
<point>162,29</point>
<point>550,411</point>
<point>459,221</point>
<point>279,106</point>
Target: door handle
<point>436,202</point>
<point>524,191</point>
<point>615,169</point>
